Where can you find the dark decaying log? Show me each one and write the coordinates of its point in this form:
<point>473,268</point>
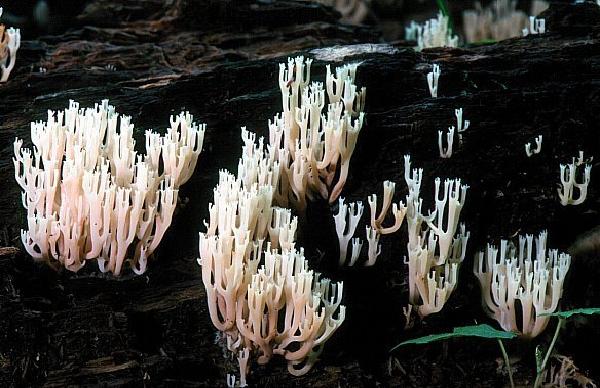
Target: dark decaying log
<point>218,59</point>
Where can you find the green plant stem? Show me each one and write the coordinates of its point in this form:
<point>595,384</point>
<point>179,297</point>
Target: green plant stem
<point>443,6</point>
<point>507,362</point>
<point>542,368</point>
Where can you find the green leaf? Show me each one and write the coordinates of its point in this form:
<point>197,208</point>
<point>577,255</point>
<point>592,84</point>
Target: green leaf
<point>569,313</point>
<point>482,331</point>
<point>484,42</point>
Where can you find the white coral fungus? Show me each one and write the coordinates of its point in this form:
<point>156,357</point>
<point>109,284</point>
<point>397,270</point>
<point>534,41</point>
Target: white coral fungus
<point>90,196</point>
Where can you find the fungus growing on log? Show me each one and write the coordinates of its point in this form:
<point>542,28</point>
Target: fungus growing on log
<point>10,42</point>
<point>533,278</point>
<point>90,196</point>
